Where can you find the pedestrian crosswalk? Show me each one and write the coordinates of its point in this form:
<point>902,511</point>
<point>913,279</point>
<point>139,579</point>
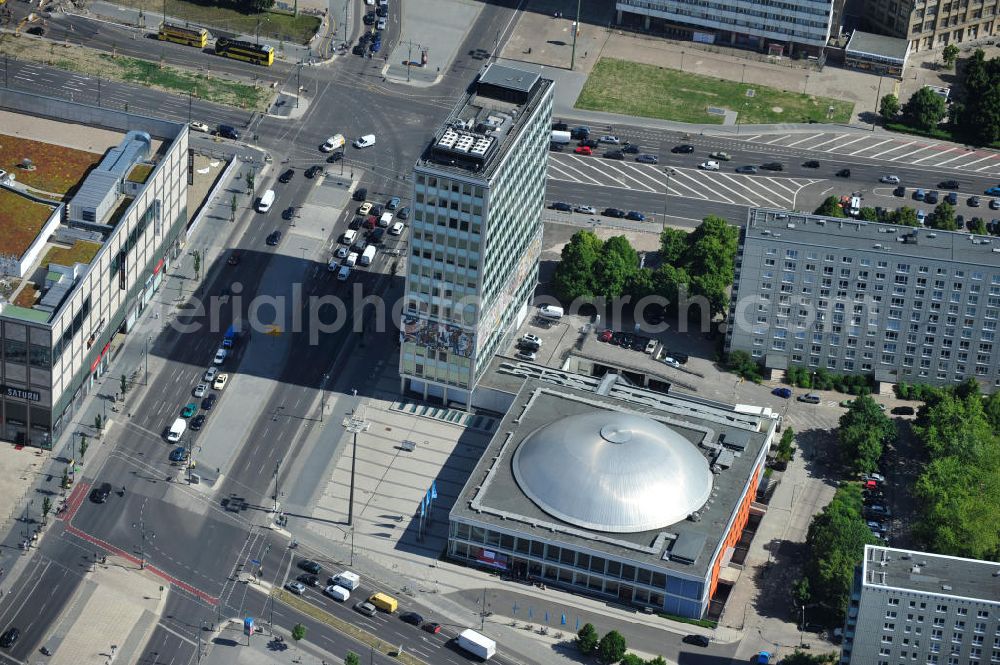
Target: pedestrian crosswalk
<point>889,148</point>
<point>720,186</point>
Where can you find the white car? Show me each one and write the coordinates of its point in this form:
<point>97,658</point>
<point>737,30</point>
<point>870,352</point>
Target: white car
<point>220,356</point>
<point>201,389</point>
<point>534,339</point>
<point>609,138</point>
<point>210,374</point>
<point>341,253</point>
<point>332,143</point>
<point>709,166</point>
<point>889,179</point>
<point>366,141</point>
<point>671,362</point>
<point>220,381</point>
<point>526,355</point>
<point>397,229</point>
<point>381,24</point>
<point>200,127</point>
<point>586,210</point>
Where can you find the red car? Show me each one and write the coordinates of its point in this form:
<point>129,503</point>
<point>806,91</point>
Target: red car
<point>584,150</point>
<point>606,336</point>
<point>433,628</point>
<point>371,222</point>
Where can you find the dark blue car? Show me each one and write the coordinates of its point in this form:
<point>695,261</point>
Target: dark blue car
<point>784,393</point>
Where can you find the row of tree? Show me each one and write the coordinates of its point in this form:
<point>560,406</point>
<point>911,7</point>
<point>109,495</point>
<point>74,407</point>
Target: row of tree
<point>700,263</point>
<point>864,432</point>
<point>959,489</point>
<point>975,108</point>
<point>609,649</point>
<point>836,542</point>
<point>941,218</point>
<point>823,379</point>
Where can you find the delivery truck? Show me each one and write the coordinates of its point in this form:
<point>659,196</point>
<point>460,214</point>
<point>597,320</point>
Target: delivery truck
<point>384,602</point>
<point>476,644</point>
<point>348,580</point>
<point>561,138</point>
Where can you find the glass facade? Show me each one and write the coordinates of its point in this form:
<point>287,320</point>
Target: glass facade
<point>590,572</point>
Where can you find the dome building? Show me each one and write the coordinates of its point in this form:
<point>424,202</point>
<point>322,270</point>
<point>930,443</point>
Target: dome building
<point>620,492</point>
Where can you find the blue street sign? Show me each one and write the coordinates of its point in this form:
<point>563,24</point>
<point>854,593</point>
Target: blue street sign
<point>255,562</point>
<point>248,626</point>
<point>562,621</point>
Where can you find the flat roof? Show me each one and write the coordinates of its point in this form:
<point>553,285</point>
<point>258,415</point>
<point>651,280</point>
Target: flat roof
<point>881,46</point>
<point>892,240</point>
<point>936,574</point>
<point>486,122</point>
<point>493,497</point>
<point>21,220</point>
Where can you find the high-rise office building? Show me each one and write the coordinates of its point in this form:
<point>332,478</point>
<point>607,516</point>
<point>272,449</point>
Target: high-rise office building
<point>900,303</point>
<point>779,28</point>
<point>916,607</point>
<point>476,234</point>
<point>929,24</point>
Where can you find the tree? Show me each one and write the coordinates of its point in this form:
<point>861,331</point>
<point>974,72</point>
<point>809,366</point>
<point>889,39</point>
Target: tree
<point>83,447</point>
<point>925,109</point>
<point>869,214</point>
<point>586,639</point>
<point>611,648</point>
<point>659,660</point>
<point>942,217</point>
<point>249,177</point>
<point>65,478</point>
<point>905,216</point>
<point>232,209</point>
<point>980,99</point>
<point>830,207</point>
<point>574,276</point>
<point>98,422</point>
<point>197,263</point>
<point>673,244</point>
<point>298,632</point>
<point>802,658</point>
<point>978,226</point>
<point>949,56</point>
<point>785,447</point>
<point>123,385</point>
<point>615,266</point>
<point>743,364</point>
<point>632,659</point>
<point>889,107</point>
<point>352,659</point>
<point>864,429</point>
<point>709,260</point>
<point>46,507</point>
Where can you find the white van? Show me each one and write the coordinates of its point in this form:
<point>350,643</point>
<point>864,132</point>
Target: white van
<point>347,579</point>
<point>177,430</point>
<point>369,254</point>
<point>351,260</point>
<point>855,206</point>
<point>397,229</point>
<point>266,201</point>
<point>348,237</point>
<point>366,141</point>
<point>550,311</point>
<point>385,220</point>
<point>338,592</point>
<point>332,143</point>
<point>344,273</point>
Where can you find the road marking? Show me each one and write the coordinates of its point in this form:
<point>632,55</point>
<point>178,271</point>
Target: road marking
<point>816,147</point>
<point>173,632</point>
<point>981,159</point>
<point>633,178</point>
<point>811,136</point>
<point>869,147</point>
<point>933,154</point>
<point>964,154</point>
<point>771,196</point>
<point>772,141</point>
<point>675,180</point>
<point>844,145</point>
<point>900,146</point>
<point>735,193</point>
<point>912,152</point>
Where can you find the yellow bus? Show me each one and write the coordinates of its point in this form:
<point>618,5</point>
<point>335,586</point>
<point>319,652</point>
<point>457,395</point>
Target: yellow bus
<point>178,33</point>
<point>260,54</point>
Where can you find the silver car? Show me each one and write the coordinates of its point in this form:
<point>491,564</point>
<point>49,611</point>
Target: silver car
<point>298,588</point>
<point>586,210</point>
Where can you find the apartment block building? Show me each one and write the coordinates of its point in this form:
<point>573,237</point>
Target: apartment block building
<point>779,27</point>
<point>930,24</point>
<point>853,297</point>
<point>922,608</point>
<point>476,234</point>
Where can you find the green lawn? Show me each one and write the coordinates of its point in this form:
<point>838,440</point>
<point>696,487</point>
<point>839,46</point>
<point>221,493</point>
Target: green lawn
<point>273,25</point>
<point>630,88</point>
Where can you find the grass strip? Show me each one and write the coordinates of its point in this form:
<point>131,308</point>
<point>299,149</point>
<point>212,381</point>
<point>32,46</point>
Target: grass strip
<point>345,627</point>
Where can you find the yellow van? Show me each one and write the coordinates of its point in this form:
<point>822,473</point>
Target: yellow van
<point>384,602</point>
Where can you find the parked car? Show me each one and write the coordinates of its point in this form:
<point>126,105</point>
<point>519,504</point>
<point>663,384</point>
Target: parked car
<point>919,194</point>
<point>534,339</point>
<point>902,411</point>
<point>784,393</point>
<point>584,150</point>
<point>994,204</point>
<point>200,127</point>
<point>586,210</point>
<point>189,410</point>
<point>646,158</point>
<point>952,198</point>
<point>614,154</point>
<point>899,191</point>
<point>9,638</point>
<point>393,203</point>
<point>613,212</point>
<point>593,144</point>
<point>208,403</point>
<point>310,566</point>
<point>696,640</point>
<point>632,148</point>
<point>609,138</point>
<point>974,201</point>
<point>403,213</point>
<point>200,390</point>
<point>298,588</point>
<point>308,579</point>
<point>635,216</point>
<point>581,132</point>
<point>179,454</point>
<point>286,177</point>
<point>562,207</point>
<point>683,149</point>
<point>931,197</point>
<point>198,422</point>
<point>809,398</point>
<point>992,191</point>
<point>313,171</point>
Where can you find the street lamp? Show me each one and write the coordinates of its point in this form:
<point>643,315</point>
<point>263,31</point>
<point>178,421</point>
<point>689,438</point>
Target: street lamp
<point>322,401</point>
<point>143,535</point>
<point>666,192</point>
<point>354,425</point>
<point>148,340</point>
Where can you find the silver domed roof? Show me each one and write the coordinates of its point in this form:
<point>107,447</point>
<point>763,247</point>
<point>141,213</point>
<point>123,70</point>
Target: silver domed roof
<point>614,472</point>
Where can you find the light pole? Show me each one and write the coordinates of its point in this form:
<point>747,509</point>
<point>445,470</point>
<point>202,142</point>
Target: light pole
<point>146,359</point>
<point>878,94</point>
<point>666,193</point>
<point>354,425</point>
<point>322,401</point>
<point>277,468</point>
<point>298,84</point>
<point>141,525</point>
<point>576,31</point>
<point>27,518</point>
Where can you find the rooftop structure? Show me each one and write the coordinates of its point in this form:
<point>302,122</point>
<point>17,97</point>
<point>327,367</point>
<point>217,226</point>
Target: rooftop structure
<point>877,53</point>
<point>897,302</point>
<point>611,489</point>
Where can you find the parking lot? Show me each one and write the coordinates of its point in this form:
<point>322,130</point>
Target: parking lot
<point>889,148</point>
<point>753,190</point>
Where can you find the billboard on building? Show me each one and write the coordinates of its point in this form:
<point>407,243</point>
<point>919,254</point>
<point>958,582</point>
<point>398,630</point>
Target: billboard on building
<point>435,335</point>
